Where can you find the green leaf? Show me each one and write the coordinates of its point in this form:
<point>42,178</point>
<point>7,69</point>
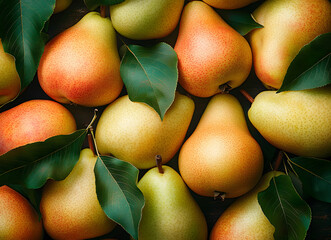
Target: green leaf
<point>286,211</point>
<point>93,4</point>
<point>31,165</point>
<point>118,194</point>
<point>315,175</point>
<point>311,67</point>
<point>150,75</point>
<point>20,30</point>
<point>239,19</point>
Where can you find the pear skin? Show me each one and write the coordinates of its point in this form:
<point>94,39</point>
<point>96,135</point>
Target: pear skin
<point>221,157</point>
<point>10,83</point>
<point>295,121</point>
<point>212,56</point>
<point>18,219</point>
<point>288,26</point>
<point>32,121</point>
<point>70,208</point>
<point>82,64</point>
<point>134,132</point>
<point>226,4</point>
<point>148,19</point>
<point>170,211</point>
<point>244,218</point>
<point>61,5</point>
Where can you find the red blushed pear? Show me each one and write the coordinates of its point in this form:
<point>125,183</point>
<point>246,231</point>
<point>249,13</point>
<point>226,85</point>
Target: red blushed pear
<point>212,56</point>
<point>18,219</point>
<point>34,120</point>
<point>82,64</point>
<point>288,26</point>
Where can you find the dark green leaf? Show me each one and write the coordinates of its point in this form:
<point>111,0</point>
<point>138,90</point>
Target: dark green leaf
<point>21,24</point>
<point>150,75</point>
<point>239,19</point>
<point>118,194</point>
<point>31,165</point>
<point>93,4</point>
<point>315,175</point>
<point>286,211</point>
<point>311,67</point>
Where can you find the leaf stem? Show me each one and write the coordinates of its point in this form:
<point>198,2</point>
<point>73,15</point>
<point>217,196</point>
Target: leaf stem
<point>158,159</point>
<point>247,95</point>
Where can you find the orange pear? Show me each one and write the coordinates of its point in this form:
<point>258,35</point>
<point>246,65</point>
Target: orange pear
<point>212,56</point>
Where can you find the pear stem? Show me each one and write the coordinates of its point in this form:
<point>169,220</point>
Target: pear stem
<point>225,88</point>
<point>247,95</point>
<point>278,160</point>
<point>158,159</point>
<point>103,10</point>
<point>91,143</point>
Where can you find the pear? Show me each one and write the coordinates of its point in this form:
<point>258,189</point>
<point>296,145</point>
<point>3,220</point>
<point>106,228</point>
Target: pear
<point>170,211</point>
<point>288,26</point>
<point>61,5</point>
<point>134,132</point>
<point>226,4</point>
<point>32,121</point>
<point>70,208</point>
<point>295,121</point>
<point>18,219</point>
<point>221,158</point>
<point>212,56</point>
<point>244,218</point>
<point>82,64</point>
<point>148,19</point>
<point>10,83</point>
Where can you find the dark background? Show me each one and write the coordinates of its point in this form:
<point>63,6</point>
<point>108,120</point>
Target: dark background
<point>320,228</point>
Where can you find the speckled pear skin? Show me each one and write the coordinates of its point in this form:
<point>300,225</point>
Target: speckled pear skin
<point>170,211</point>
<point>10,83</point>
<point>134,132</point>
<point>226,4</point>
<point>32,121</point>
<point>244,218</point>
<point>288,26</point>
<point>221,155</point>
<point>146,19</point>
<point>295,121</point>
<point>82,64</point>
<point>18,219</point>
<point>210,52</point>
<point>70,208</point>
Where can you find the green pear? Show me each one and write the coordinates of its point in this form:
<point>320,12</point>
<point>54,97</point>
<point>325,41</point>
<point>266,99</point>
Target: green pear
<point>32,121</point>
<point>148,19</point>
<point>61,5</point>
<point>170,211</point>
<point>288,26</point>
<point>244,218</point>
<point>82,64</point>
<point>10,83</point>
<point>226,4</point>
<point>18,219</point>
<point>221,158</point>
<point>134,132</point>
<point>212,56</point>
<point>295,121</point>
<point>70,208</point>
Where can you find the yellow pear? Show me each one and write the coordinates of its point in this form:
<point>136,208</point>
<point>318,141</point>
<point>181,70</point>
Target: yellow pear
<point>295,121</point>
<point>244,218</point>
<point>82,64</point>
<point>134,132</point>
<point>18,219</point>
<point>227,4</point>
<point>221,157</point>
<point>70,208</point>
<point>61,5</point>
<point>10,83</point>
<point>288,26</point>
<point>170,211</point>
<point>32,121</point>
<point>212,56</point>
<point>148,19</point>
